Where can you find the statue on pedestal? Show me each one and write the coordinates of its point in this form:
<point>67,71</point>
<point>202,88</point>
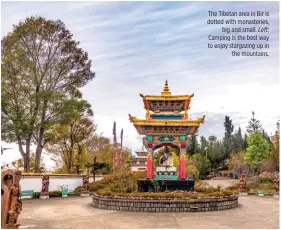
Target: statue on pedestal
<point>243,183</point>
<point>166,160</point>
<point>45,187</point>
<point>85,186</point>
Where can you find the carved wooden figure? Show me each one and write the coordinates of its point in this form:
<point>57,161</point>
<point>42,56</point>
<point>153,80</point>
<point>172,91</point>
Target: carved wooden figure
<point>243,183</point>
<point>85,187</point>
<point>45,187</point>
<point>11,205</point>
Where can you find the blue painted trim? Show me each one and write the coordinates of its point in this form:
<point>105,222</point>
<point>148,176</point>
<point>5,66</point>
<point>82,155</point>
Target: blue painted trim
<point>166,117</point>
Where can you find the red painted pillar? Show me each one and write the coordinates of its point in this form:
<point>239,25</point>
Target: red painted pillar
<point>149,166</point>
<point>182,164</point>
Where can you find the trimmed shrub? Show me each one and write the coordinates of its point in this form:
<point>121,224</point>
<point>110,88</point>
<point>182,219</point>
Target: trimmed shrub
<point>78,189</point>
<point>227,192</point>
<point>104,192</point>
<point>73,193</point>
<point>96,186</point>
<point>55,193</point>
<point>36,195</point>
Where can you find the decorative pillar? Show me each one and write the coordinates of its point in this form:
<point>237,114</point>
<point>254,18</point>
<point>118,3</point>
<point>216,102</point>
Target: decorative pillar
<point>85,186</point>
<point>149,159</point>
<point>11,206</point>
<point>149,165</point>
<point>242,185</point>
<point>45,187</point>
<point>276,186</point>
<point>182,174</point>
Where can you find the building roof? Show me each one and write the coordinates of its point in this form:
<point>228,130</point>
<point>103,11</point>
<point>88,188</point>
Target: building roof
<point>179,123</point>
<point>165,96</point>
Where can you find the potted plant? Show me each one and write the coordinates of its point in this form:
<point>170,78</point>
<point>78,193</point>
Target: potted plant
<point>64,190</point>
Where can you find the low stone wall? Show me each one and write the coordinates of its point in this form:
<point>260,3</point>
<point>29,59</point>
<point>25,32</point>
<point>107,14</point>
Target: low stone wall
<point>161,205</point>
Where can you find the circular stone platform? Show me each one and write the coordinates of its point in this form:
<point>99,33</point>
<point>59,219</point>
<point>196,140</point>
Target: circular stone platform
<point>164,205</point>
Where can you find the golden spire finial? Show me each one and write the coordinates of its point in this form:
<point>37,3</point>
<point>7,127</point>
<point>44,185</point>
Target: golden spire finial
<point>166,87</point>
<point>166,91</point>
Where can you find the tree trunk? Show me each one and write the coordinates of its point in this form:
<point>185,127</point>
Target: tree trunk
<point>25,155</point>
<point>39,149</point>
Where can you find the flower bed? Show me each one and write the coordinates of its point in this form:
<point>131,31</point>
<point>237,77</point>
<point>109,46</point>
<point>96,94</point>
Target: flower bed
<point>164,204</point>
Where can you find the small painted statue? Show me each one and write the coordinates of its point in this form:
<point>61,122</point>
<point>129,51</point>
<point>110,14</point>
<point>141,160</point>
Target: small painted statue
<point>243,183</point>
<point>85,184</point>
<point>166,159</point>
<point>45,184</point>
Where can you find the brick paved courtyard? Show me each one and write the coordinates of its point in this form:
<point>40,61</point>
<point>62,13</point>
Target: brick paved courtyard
<point>77,212</point>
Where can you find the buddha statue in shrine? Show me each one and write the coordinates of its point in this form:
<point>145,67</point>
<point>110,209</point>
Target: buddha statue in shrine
<point>166,160</point>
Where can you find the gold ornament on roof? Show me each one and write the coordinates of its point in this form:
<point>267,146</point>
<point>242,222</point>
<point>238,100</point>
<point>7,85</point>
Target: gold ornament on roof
<point>166,90</point>
<point>132,118</point>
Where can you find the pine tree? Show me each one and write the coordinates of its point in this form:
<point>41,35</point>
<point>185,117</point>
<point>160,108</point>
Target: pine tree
<point>245,143</point>
<point>238,140</point>
<point>253,125</point>
<point>193,145</point>
<point>277,132</point>
<point>203,145</point>
<point>228,138</point>
<point>266,136</point>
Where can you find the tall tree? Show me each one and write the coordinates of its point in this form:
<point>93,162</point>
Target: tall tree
<point>274,154</point>
<point>266,136</point>
<point>277,131</point>
<point>253,124</point>
<point>42,68</point>
<point>193,146</point>
<point>245,144</point>
<point>203,145</point>
<point>228,138</point>
<point>238,141</point>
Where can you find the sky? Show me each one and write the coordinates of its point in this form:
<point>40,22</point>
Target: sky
<point>136,46</point>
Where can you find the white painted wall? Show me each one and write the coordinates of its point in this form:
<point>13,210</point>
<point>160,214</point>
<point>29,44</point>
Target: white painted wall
<point>35,183</point>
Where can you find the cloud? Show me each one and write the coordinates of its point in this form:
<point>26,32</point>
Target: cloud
<point>136,46</point>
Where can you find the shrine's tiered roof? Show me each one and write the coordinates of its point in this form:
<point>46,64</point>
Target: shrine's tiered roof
<point>166,102</point>
<point>166,113</point>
